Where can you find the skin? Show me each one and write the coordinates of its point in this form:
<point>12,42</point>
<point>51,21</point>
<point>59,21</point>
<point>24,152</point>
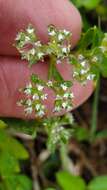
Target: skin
<point>14,73</point>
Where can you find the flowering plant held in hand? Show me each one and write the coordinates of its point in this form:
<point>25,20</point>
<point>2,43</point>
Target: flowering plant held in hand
<point>87,61</point>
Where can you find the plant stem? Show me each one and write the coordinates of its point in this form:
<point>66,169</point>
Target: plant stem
<point>64,158</point>
<point>67,164</point>
<point>52,64</point>
<point>53,71</point>
<point>95,111</point>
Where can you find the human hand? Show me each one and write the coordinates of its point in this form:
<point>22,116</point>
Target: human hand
<point>14,73</point>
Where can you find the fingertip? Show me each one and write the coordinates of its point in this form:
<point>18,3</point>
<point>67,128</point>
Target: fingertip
<point>63,14</point>
<point>76,24</point>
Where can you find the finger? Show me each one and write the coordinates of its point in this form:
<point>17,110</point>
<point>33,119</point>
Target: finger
<point>14,74</point>
<point>16,15</point>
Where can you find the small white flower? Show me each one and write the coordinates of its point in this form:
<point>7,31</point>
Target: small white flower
<point>41,113</point>
<point>27,91</point>
<point>44,96</point>
<point>30,30</point>
<point>38,44</point>
<point>20,103</point>
<point>71,95</point>
<point>58,97</point>
<point>37,106</point>
<point>18,36</point>
<point>64,105</point>
<point>53,131</point>
<point>95,59</point>
<point>49,83</point>
<point>82,72</point>
<point>32,51</point>
<point>64,50</point>
<point>64,87</point>
<point>40,55</point>
<point>90,77</point>
<point>29,85</point>
<point>28,110</point>
<point>52,33</point>
<point>66,32</point>
<point>80,57</point>
<point>27,39</point>
<point>75,74</point>
<point>57,109</point>
<point>58,61</point>
<point>40,87</point>
<point>83,63</point>
<point>59,129</point>
<point>69,107</point>
<point>29,102</point>
<point>35,97</point>
<point>60,37</point>
<point>66,95</point>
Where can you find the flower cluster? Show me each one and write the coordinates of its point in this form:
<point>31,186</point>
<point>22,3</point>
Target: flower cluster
<point>33,50</point>
<point>64,96</point>
<point>82,72</point>
<point>57,131</point>
<point>87,62</point>
<point>29,46</point>
<point>35,95</point>
<point>59,44</point>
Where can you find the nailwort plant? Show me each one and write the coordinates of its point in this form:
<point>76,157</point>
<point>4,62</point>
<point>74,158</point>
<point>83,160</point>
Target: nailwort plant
<point>87,61</point>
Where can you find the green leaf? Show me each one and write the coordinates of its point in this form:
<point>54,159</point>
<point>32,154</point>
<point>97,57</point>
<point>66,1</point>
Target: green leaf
<point>22,126</point>
<point>102,61</point>
<point>81,133</point>
<point>18,182</point>
<point>101,134</point>
<point>98,183</point>
<point>70,182</point>
<point>12,146</point>
<point>8,164</point>
<point>91,4</point>
<point>88,4</point>
<point>2,124</point>
<point>90,39</point>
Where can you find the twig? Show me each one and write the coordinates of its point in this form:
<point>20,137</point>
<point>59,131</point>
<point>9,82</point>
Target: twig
<point>34,163</point>
<point>83,158</point>
<point>20,135</point>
